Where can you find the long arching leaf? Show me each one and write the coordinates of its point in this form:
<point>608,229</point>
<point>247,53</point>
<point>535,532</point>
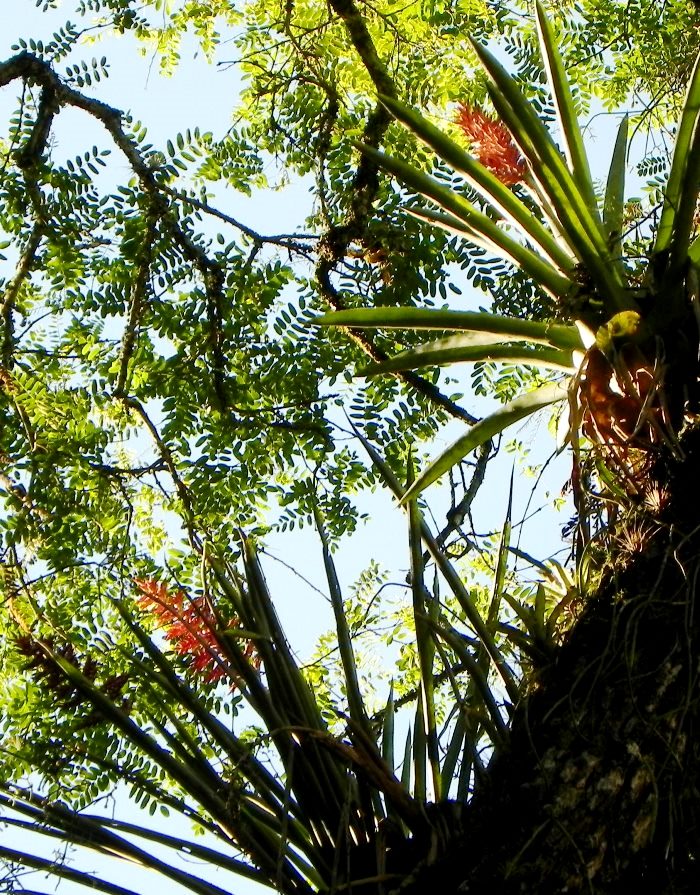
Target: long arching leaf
<point>356,704</point>
<point>460,349</point>
<point>453,225</point>
<point>676,177</point>
<point>614,205</point>
<point>492,425</point>
<point>579,227</point>
<point>566,111</point>
<point>687,209</point>
<point>422,605</point>
<point>513,329</point>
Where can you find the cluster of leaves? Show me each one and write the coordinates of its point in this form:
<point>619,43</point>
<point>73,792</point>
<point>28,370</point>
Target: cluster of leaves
<point>108,702</point>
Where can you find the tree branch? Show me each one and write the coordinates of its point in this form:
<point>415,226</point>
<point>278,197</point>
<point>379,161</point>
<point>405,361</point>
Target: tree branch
<point>283,240</point>
<point>335,244</point>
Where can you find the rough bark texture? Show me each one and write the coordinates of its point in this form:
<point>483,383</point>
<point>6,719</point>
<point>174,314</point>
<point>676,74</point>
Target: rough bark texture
<point>600,788</point>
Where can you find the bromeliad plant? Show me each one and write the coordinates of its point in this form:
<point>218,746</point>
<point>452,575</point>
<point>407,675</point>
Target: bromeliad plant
<point>626,337</point>
<point>294,802</point>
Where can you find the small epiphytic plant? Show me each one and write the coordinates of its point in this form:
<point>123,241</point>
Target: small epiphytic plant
<point>627,339</point>
<point>291,794</point>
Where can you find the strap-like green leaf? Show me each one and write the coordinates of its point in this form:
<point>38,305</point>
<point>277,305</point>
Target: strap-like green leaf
<point>407,763</point>
<point>90,832</point>
<point>687,208</point>
<point>492,326</point>
<point>453,225</point>
<point>426,650</point>
<point>388,731</point>
<point>454,749</point>
<point>566,111</point>
<point>499,578</point>
<point>506,416</point>
<point>676,177</point>
<point>614,205</point>
<point>356,704</point>
<point>52,867</point>
<point>460,349</point>
<point>420,740</point>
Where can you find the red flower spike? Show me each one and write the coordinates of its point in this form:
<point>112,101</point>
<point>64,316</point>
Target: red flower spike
<point>190,627</point>
<point>492,144</point>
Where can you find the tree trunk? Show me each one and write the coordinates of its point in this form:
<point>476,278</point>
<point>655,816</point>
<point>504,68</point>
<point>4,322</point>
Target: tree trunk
<point>599,790</point>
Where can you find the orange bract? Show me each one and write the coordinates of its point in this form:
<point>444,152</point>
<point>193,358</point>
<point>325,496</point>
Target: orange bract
<point>618,413</point>
<point>191,627</point>
<point>492,144</point>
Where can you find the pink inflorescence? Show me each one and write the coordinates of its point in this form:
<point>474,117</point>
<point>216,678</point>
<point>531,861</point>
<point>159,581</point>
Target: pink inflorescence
<point>191,628</point>
<point>492,144</point>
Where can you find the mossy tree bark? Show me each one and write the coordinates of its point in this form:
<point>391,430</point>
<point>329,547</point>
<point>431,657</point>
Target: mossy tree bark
<point>599,790</point>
